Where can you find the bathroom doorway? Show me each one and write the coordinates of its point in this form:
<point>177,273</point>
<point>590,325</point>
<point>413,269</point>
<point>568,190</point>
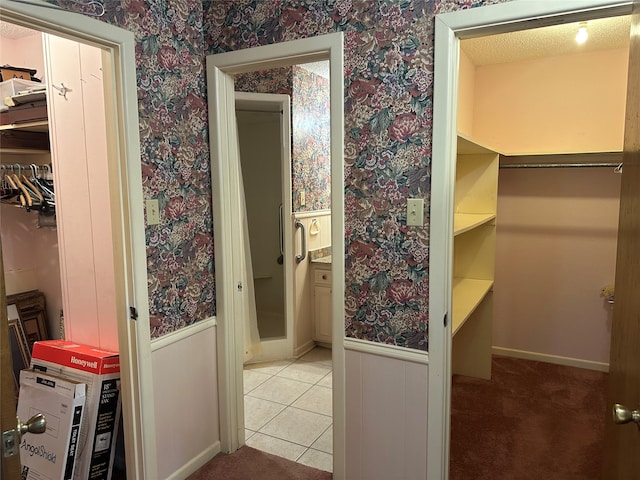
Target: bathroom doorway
<point>265,155</point>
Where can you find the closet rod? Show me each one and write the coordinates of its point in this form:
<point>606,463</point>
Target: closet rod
<point>24,166</point>
<point>560,165</point>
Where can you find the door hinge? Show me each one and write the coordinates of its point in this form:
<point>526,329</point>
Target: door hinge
<point>133,313</point>
<point>446,320</point>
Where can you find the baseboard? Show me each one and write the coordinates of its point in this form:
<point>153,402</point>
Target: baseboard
<point>195,463</point>
<point>555,359</point>
<point>307,347</point>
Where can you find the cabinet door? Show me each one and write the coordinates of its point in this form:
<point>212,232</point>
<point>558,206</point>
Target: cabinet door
<point>322,313</point>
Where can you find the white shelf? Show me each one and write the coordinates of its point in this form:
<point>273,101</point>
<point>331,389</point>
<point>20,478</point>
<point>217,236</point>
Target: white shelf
<point>463,222</point>
<point>467,295</point>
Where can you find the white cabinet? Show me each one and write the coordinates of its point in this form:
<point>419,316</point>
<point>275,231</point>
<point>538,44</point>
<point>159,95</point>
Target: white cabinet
<point>322,318</point>
<point>476,193</point>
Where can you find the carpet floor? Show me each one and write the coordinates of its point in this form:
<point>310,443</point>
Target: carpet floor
<point>531,421</point>
<point>248,463</point>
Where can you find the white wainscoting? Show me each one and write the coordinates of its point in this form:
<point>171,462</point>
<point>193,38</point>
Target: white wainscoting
<point>186,399</point>
<point>386,413</point>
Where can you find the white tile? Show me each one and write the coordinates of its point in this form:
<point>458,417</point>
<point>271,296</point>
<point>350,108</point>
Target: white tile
<point>275,446</point>
<point>327,381</point>
<point>298,426</point>
<point>270,368</point>
<point>280,390</point>
<point>316,459</point>
<point>325,442</point>
<point>248,434</point>
<point>305,372</point>
<point>257,412</point>
<point>317,355</point>
<point>252,378</point>
<point>316,399</point>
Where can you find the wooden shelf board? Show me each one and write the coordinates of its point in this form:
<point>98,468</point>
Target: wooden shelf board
<point>22,151</point>
<point>467,295</point>
<point>41,126</point>
<point>463,222</point>
<point>467,146</point>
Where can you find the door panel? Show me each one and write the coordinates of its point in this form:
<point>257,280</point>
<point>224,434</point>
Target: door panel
<point>622,442</point>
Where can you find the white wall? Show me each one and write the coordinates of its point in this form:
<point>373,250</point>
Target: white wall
<point>186,399</point>
<point>556,249</point>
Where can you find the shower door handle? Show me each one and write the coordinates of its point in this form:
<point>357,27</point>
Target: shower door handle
<point>303,255</point>
<point>281,231</point>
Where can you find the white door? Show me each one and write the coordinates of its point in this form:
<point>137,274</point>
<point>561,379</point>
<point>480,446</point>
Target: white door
<point>265,156</point>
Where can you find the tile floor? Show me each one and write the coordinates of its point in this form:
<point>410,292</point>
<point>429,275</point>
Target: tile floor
<point>287,408</point>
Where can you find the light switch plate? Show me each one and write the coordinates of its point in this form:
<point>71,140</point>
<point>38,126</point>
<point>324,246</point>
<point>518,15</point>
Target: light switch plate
<point>415,212</point>
<point>153,212</point>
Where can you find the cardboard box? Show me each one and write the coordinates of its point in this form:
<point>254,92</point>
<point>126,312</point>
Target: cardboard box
<point>51,454</point>
<point>100,370</point>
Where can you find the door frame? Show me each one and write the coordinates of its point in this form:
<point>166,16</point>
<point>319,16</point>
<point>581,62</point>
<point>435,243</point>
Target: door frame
<point>272,348</point>
<point>450,28</point>
<point>220,71</point>
<point>125,185</point>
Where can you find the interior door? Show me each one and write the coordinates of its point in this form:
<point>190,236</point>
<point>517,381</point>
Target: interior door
<point>622,442</point>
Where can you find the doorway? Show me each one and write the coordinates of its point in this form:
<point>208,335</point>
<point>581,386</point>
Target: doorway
<point>124,180</point>
<point>220,69</point>
<point>265,152</point>
<point>503,18</point>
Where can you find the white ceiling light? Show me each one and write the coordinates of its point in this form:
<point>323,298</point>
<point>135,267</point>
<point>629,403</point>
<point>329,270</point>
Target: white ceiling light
<point>582,34</point>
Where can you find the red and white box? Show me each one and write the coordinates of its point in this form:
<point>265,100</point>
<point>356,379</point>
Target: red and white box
<point>100,370</point>
<point>51,454</point>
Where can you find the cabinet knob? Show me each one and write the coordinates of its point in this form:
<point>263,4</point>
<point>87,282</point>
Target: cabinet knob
<point>324,276</point>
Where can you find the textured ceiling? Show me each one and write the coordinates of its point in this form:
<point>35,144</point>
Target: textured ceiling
<point>547,41</point>
<point>9,30</point>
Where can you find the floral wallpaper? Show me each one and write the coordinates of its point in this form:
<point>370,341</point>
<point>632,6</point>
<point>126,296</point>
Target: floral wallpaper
<point>311,165</point>
<point>172,104</point>
<point>311,141</point>
<point>388,75</point>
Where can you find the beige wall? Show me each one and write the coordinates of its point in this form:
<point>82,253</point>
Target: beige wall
<point>466,95</point>
<point>556,249</point>
<point>561,104</point>
<point>556,228</point>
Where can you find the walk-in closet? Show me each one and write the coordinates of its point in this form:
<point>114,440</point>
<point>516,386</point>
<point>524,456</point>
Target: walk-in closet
<point>537,192</point>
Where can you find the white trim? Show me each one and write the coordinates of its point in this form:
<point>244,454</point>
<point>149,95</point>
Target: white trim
<point>196,462</point>
<point>302,349</point>
<point>449,28</point>
<point>126,197</point>
<point>183,333</point>
<point>220,69</point>
<point>314,213</point>
<point>388,351</point>
<point>555,359</point>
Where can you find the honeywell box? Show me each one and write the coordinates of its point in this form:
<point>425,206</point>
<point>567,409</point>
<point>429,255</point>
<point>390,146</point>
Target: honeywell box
<point>100,370</point>
<point>50,455</point>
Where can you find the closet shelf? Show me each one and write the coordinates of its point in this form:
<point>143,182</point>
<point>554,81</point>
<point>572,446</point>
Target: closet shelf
<point>467,295</point>
<point>39,126</point>
<point>25,138</point>
<point>463,222</point>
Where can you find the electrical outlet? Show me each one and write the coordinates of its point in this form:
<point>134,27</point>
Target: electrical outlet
<point>303,199</point>
<point>153,212</point>
<point>415,212</point>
